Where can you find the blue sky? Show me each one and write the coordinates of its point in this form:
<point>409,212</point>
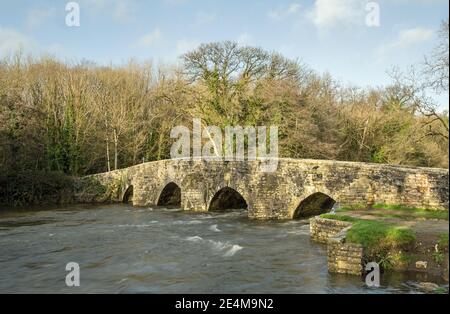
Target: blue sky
<point>328,35</point>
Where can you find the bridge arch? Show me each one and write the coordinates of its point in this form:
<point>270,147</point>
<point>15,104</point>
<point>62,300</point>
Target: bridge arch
<point>128,195</point>
<point>227,198</point>
<point>278,195</point>
<point>170,195</point>
<point>315,204</point>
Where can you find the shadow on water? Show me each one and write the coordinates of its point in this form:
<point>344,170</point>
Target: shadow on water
<point>25,223</point>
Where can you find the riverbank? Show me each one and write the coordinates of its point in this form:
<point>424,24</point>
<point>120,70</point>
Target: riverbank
<point>35,188</point>
<point>399,239</point>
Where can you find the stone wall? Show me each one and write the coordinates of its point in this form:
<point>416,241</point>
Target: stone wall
<point>321,230</point>
<point>278,195</point>
<point>344,258</point>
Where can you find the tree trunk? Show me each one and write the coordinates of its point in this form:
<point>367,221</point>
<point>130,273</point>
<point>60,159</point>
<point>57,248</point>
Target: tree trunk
<point>107,154</point>
<point>361,144</point>
<point>116,153</point>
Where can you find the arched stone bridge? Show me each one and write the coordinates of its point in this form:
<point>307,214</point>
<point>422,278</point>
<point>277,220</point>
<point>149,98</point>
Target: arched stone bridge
<point>299,188</point>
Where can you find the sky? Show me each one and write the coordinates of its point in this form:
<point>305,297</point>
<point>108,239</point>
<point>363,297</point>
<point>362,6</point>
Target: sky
<point>328,35</point>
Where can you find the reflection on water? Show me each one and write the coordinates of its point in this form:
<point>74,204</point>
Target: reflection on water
<point>121,249</point>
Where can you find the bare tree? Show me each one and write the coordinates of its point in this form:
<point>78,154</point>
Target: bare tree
<point>436,68</point>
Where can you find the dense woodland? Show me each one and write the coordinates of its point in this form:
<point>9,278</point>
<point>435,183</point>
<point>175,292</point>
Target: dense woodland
<point>83,118</point>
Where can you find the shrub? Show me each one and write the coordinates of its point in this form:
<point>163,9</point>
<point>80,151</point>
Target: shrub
<point>34,188</point>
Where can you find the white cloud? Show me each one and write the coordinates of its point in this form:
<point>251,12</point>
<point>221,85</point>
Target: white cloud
<point>123,11</point>
<point>430,2</point>
<point>244,39</point>
<point>56,49</point>
<point>175,2</point>
<point>329,13</point>
<point>283,13</point>
<point>119,10</point>
<point>96,4</point>
<point>406,38</point>
<point>414,36</point>
<point>12,41</point>
<point>186,45</point>
<point>204,18</point>
<point>37,16</point>
<point>150,39</point>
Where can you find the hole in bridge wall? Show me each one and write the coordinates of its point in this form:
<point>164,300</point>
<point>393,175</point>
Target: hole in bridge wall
<point>128,195</point>
<point>170,195</point>
<point>313,205</point>
<point>227,198</point>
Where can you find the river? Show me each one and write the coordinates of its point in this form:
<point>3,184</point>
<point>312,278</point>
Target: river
<point>121,249</point>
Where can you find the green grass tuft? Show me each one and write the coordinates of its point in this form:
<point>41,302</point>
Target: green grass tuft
<point>402,212</point>
<point>372,234</point>
<point>339,217</point>
<point>443,241</point>
<point>349,208</point>
<point>441,290</point>
<point>400,236</point>
<point>394,207</point>
<point>380,239</point>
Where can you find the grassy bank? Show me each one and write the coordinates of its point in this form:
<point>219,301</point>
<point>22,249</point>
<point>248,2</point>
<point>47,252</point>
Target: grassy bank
<point>383,242</point>
<point>398,211</point>
<point>372,233</point>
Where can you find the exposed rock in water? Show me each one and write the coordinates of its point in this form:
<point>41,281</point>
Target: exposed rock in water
<point>421,264</point>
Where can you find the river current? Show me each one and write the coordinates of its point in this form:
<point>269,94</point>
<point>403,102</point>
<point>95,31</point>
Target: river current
<point>122,249</point>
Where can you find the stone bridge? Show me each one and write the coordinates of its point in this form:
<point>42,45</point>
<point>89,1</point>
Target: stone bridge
<point>298,188</point>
